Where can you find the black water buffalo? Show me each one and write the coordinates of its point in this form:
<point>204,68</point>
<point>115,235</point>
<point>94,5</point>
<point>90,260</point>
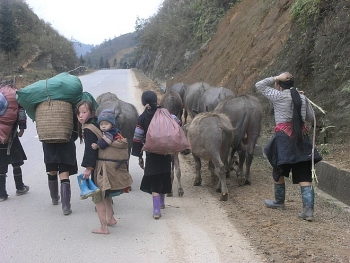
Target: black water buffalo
<point>191,98</point>
<point>245,114</point>
<point>172,102</point>
<point>210,135</point>
<point>126,114</point>
<point>212,97</point>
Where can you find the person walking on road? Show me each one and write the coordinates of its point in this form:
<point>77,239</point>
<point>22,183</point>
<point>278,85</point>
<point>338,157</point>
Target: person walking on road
<point>12,153</point>
<point>60,161</point>
<point>156,180</point>
<point>290,148</point>
<point>90,134</point>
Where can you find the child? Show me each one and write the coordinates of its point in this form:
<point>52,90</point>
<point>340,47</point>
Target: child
<point>106,120</point>
<point>156,180</point>
<point>95,164</point>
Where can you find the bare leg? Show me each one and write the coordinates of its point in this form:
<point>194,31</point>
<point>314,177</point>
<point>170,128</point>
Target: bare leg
<point>109,212</point>
<point>101,212</point>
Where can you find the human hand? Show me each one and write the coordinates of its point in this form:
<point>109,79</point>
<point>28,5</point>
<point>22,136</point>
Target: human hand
<point>141,164</point>
<point>285,76</point>
<point>94,146</point>
<point>20,133</point>
<point>87,173</point>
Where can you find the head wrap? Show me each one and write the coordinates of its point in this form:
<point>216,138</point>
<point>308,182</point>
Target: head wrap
<point>3,104</point>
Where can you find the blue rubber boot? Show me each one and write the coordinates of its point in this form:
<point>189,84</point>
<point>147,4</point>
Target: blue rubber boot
<point>85,192</point>
<point>308,197</point>
<point>92,186</point>
<point>280,195</point>
<point>156,207</point>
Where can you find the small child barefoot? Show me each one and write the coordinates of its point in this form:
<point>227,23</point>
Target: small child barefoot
<point>103,230</point>
<point>111,221</point>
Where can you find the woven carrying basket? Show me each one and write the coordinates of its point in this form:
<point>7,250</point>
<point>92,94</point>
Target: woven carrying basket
<point>54,121</point>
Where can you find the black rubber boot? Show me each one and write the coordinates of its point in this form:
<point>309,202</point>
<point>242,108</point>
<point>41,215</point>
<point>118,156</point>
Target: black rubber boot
<point>53,187</point>
<point>20,186</point>
<point>308,197</point>
<point>66,194</point>
<point>3,193</point>
<point>280,195</point>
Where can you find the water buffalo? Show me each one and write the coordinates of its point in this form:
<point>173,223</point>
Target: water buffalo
<point>245,114</point>
<point>212,97</point>
<point>191,98</point>
<point>210,135</point>
<point>126,114</point>
<point>179,88</point>
<point>173,103</point>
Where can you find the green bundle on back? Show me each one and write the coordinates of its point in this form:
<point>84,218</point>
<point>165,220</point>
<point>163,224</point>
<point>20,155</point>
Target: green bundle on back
<point>63,87</point>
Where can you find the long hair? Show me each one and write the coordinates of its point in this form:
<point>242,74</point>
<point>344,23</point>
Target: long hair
<point>90,106</point>
<point>297,120</point>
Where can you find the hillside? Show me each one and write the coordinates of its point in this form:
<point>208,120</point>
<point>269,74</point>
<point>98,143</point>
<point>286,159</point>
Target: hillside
<point>257,39</point>
<point>42,51</point>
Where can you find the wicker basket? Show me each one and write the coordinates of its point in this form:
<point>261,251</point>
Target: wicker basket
<point>54,121</point>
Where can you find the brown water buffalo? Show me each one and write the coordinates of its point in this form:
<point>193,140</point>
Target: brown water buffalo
<point>126,114</point>
<point>210,135</point>
<point>179,88</point>
<point>212,97</point>
<point>245,114</point>
<point>172,102</point>
<point>191,98</point>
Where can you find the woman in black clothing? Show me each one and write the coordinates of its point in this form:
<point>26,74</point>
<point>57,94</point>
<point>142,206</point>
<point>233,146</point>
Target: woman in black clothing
<point>156,179</point>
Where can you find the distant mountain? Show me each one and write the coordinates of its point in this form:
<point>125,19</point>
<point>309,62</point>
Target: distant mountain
<point>119,52</point>
<point>81,49</point>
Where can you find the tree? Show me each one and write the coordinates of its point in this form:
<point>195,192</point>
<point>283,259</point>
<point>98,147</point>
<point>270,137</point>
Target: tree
<point>107,64</point>
<point>9,40</point>
<point>81,60</point>
<point>101,64</point>
<point>115,62</point>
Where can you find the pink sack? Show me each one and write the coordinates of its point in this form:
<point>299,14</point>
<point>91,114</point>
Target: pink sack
<point>164,135</point>
<point>10,116</point>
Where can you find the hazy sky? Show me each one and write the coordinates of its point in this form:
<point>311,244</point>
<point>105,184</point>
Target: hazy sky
<point>93,21</point>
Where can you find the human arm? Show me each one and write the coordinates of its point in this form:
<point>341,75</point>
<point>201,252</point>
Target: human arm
<point>138,140</point>
<point>22,120</point>
<point>90,155</point>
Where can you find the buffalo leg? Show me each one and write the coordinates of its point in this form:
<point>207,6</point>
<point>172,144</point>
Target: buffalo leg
<point>221,186</point>
<point>240,175</point>
<point>177,169</point>
<point>198,179</point>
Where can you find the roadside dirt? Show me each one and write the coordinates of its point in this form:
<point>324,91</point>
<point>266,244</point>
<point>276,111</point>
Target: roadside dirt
<point>279,235</point>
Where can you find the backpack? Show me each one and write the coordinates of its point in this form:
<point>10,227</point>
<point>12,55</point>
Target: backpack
<point>10,116</point>
<point>164,135</point>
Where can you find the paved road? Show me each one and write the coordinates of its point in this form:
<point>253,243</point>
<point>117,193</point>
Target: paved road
<point>192,228</point>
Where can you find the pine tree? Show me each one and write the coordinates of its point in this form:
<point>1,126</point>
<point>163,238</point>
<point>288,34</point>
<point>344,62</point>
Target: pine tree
<point>9,40</point>
<point>101,64</point>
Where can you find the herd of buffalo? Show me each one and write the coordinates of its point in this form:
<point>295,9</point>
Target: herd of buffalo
<point>222,124</point>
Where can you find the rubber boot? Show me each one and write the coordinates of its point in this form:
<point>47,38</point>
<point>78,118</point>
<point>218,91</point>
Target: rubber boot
<point>53,187</point>
<point>280,194</point>
<point>20,186</point>
<point>162,201</point>
<point>156,207</point>
<point>92,186</point>
<point>3,193</point>
<point>85,192</point>
<point>66,194</point>
<point>308,196</point>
